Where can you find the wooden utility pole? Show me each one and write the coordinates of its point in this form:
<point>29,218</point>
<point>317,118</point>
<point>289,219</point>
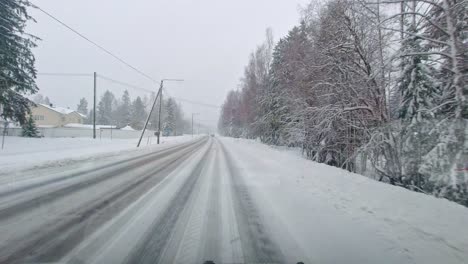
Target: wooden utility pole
<point>94,106</point>
<point>160,109</point>
<point>149,115</point>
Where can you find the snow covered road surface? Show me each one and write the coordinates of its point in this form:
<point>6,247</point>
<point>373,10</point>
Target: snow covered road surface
<point>226,200</point>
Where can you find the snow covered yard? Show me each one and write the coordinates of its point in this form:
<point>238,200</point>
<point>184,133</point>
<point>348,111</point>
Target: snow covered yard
<point>333,216</point>
<point>21,153</point>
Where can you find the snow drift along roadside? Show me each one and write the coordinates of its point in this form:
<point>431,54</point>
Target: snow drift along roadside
<point>22,153</point>
<point>334,216</point>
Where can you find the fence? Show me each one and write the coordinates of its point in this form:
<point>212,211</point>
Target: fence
<point>56,132</point>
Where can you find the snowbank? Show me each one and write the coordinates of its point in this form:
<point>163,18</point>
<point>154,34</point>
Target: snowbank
<point>20,153</point>
<point>85,126</point>
<point>332,216</point>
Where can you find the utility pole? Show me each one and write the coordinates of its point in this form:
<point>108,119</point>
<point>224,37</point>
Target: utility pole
<point>149,115</point>
<point>175,126</point>
<point>5,126</point>
<point>94,106</point>
<point>152,108</point>
<point>160,110</point>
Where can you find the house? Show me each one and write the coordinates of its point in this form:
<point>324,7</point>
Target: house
<point>55,116</point>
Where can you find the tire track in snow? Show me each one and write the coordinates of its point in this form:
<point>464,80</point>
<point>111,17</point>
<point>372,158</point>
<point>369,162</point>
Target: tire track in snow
<point>151,249</point>
<point>257,246</point>
<point>212,228</point>
<point>54,240</point>
<point>49,196</point>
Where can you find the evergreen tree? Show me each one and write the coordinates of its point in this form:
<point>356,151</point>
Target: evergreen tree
<point>416,84</point>
<point>47,100</point>
<point>90,117</point>
<point>17,70</point>
<point>82,107</point>
<point>104,115</point>
<point>124,110</point>
<point>138,114</point>
<point>29,128</point>
<point>169,124</point>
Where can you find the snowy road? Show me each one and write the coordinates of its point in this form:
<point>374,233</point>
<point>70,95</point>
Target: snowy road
<point>221,200</point>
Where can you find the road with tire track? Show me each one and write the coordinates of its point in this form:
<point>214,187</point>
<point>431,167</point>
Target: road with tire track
<point>183,204</point>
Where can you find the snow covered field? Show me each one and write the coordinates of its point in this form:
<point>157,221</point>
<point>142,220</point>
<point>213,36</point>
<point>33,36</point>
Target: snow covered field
<point>333,216</point>
<point>20,152</point>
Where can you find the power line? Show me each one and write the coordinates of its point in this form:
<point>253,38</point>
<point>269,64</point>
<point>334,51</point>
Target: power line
<point>196,103</point>
<point>192,102</point>
<point>123,83</point>
<point>65,74</point>
<point>95,44</point>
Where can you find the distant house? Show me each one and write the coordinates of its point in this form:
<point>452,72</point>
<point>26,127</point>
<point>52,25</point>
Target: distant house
<point>55,116</point>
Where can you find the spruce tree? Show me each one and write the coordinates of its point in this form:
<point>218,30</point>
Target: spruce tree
<point>82,107</point>
<point>416,84</point>
<point>419,92</point>
<point>138,114</point>
<point>170,116</point>
<point>30,129</point>
<point>124,110</point>
<point>17,70</point>
<point>104,115</point>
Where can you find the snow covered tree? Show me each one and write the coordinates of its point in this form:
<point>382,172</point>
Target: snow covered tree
<point>419,93</point>
<point>82,107</point>
<point>124,110</point>
<point>351,91</point>
<point>138,114</point>
<point>89,117</point>
<point>29,128</point>
<point>17,70</point>
<point>170,118</point>
<point>105,108</point>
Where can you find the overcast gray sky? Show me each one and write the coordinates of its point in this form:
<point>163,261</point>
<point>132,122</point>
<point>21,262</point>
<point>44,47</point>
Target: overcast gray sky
<point>205,42</point>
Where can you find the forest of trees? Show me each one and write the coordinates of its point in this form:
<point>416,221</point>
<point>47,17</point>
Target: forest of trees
<point>124,111</point>
<point>374,87</point>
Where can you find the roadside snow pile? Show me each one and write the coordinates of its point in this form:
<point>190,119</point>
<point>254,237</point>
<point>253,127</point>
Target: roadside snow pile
<point>20,153</point>
<point>85,126</point>
<point>128,128</point>
<point>333,216</point>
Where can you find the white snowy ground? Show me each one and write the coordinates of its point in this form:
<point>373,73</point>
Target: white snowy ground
<point>332,216</point>
<point>314,213</point>
<point>21,153</point>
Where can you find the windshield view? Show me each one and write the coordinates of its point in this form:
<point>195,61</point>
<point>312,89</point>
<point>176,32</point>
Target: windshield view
<point>247,131</point>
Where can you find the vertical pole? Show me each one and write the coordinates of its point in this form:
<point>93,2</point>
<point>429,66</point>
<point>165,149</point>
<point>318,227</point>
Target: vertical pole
<point>94,107</point>
<point>4,133</point>
<point>149,115</point>
<point>160,109</point>
<point>111,132</point>
<point>192,125</point>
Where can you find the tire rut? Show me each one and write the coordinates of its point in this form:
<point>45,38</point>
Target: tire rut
<point>54,240</point>
<point>151,248</point>
<point>257,246</point>
<point>11,211</point>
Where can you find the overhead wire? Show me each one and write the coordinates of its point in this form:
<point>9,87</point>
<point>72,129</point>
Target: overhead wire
<point>65,74</point>
<point>123,83</point>
<point>115,57</point>
<point>191,101</point>
<point>95,44</point>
